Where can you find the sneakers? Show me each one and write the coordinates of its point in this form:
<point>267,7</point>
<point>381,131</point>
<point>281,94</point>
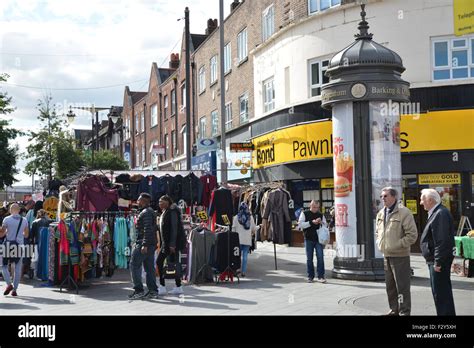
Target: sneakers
<point>162,290</point>
<point>8,289</point>
<point>309,280</point>
<point>14,294</point>
<point>242,275</point>
<point>136,295</point>
<point>321,280</point>
<point>151,294</point>
<point>177,291</point>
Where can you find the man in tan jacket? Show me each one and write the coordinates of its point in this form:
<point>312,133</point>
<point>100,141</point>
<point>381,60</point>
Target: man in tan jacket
<point>396,232</point>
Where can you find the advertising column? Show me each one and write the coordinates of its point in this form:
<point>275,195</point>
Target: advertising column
<point>345,198</point>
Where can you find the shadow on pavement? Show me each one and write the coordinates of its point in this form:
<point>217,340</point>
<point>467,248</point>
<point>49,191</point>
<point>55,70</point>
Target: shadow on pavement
<point>8,306</point>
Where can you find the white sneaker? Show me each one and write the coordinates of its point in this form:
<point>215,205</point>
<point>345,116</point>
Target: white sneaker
<point>177,291</point>
<point>162,290</point>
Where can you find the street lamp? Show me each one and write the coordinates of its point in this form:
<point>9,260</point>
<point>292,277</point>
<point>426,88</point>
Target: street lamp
<point>95,126</point>
<point>114,115</point>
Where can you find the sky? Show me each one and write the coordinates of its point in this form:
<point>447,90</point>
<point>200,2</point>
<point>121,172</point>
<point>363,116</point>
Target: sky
<point>76,50</point>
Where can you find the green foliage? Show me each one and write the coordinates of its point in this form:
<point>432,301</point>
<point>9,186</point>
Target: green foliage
<point>8,153</point>
<point>106,160</point>
<point>45,145</point>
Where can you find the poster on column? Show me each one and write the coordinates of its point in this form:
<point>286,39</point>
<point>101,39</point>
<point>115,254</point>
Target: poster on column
<point>344,185</point>
<point>385,157</point>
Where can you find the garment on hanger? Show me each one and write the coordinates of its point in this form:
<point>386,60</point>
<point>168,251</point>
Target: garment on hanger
<point>275,215</point>
<point>191,189</point>
<point>93,195</point>
<point>201,242</point>
<point>227,251</point>
<point>177,188</point>
<point>221,204</point>
<point>209,183</point>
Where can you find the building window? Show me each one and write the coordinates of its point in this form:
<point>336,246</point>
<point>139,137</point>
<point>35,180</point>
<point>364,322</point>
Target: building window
<point>127,128</point>
<point>317,77</point>
<point>173,102</point>
<point>244,108</point>
<point>202,127</point>
<point>214,122</point>
<point>213,69</point>
<point>228,116</point>
<point>268,95</point>
<point>173,143</point>
<point>268,22</point>
<point>165,107</point>
<point>321,5</point>
<point>142,118</point>
<point>167,146</point>
<point>453,58</point>
<point>137,158</point>
<point>154,115</point>
<point>137,124</point>
<point>202,79</point>
<point>242,50</point>
<point>183,138</point>
<point>183,95</point>
<point>154,157</point>
<point>143,156</point>
<point>227,58</point>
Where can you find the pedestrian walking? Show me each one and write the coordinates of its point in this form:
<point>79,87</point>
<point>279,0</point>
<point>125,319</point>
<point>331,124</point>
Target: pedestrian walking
<point>310,221</point>
<point>244,225</point>
<point>396,232</point>
<point>172,242</point>
<point>437,246</point>
<point>143,252</point>
<point>15,230</point>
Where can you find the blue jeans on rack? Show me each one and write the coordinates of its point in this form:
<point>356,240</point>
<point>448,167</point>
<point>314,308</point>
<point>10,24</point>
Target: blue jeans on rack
<point>310,246</point>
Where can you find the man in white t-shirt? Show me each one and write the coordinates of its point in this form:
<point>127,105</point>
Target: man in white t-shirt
<point>15,228</point>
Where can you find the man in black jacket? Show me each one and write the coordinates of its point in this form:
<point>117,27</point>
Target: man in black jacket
<point>437,245</point>
<point>172,241</point>
<point>143,252</point>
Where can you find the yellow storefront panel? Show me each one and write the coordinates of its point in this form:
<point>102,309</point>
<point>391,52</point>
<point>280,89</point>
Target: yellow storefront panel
<point>432,131</point>
<point>463,17</point>
<point>327,183</point>
<point>439,179</point>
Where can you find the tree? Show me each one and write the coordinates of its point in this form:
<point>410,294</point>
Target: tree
<point>69,160</point>
<point>106,160</point>
<point>8,153</point>
<point>44,144</point>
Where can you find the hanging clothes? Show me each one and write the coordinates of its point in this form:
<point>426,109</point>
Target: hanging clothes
<point>221,204</point>
<point>43,253</point>
<point>209,183</point>
<point>201,242</point>
<point>192,189</point>
<point>121,243</point>
<point>177,188</point>
<point>275,215</point>
<point>93,195</point>
<point>227,251</point>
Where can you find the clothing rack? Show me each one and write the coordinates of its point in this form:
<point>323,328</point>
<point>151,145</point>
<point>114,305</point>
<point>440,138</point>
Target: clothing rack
<point>206,265</point>
<point>228,271</point>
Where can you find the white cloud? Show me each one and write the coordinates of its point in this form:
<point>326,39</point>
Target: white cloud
<point>88,43</point>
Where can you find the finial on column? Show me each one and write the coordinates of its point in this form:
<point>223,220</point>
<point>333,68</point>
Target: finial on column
<point>363,26</point>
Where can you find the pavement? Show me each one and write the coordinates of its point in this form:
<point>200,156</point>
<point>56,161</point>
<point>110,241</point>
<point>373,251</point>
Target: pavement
<point>264,291</point>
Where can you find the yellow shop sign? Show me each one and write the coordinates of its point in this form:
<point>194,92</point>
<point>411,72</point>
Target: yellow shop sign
<point>439,179</point>
<point>431,131</point>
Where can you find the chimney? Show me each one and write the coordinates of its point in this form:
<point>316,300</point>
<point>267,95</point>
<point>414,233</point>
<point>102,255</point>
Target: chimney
<point>234,5</point>
<point>211,26</point>
<point>174,61</point>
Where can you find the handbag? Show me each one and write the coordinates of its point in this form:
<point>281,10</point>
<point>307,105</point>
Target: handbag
<point>9,243</point>
<point>323,235</point>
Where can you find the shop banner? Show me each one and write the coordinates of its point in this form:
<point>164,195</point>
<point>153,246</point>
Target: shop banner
<point>440,179</point>
<point>205,162</point>
<point>412,205</point>
<point>344,184</point>
<point>312,141</point>
<point>126,154</point>
<point>463,17</point>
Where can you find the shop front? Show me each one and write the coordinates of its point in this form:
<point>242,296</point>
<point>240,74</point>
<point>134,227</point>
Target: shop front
<point>437,152</point>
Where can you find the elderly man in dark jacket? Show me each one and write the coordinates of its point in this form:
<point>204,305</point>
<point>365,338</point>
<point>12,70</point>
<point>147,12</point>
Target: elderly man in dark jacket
<point>143,252</point>
<point>437,247</point>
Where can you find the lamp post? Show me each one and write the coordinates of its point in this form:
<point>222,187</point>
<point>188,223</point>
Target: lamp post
<point>95,126</point>
<point>365,84</point>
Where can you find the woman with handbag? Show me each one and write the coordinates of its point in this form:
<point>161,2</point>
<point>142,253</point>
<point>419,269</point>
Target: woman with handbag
<point>310,222</point>
<point>15,230</point>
